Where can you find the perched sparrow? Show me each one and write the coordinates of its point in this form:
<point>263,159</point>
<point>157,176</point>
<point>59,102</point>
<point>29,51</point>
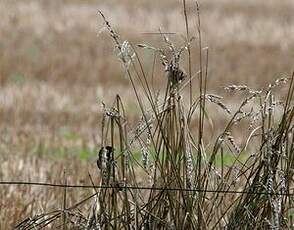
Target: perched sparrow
<point>174,73</point>
<point>105,157</point>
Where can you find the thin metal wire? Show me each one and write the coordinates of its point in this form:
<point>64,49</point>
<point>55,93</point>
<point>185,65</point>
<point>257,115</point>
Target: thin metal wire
<point>157,33</point>
<point>117,186</point>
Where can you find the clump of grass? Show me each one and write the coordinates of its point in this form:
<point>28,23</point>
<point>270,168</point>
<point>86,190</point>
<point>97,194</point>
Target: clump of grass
<point>179,183</point>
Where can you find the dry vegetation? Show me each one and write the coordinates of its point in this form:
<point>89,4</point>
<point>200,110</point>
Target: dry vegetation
<point>57,65</point>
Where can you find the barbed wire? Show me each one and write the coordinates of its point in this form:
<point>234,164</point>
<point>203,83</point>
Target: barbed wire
<point>120,186</point>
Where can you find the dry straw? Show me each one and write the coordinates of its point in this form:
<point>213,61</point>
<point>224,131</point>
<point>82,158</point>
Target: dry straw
<point>183,178</point>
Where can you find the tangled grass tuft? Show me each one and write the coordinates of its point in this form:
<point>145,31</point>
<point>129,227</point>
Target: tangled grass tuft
<point>181,180</point>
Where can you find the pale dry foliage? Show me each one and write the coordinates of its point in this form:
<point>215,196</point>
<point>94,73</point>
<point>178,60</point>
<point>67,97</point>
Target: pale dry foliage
<point>57,61</point>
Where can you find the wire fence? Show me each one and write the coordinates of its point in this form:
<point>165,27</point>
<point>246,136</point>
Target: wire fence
<point>120,186</point>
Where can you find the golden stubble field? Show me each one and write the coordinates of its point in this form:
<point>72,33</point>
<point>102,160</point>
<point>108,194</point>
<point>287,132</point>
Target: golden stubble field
<point>57,64</point>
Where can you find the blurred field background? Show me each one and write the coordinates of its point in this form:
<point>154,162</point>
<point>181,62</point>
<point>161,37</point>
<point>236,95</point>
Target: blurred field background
<point>57,65</point>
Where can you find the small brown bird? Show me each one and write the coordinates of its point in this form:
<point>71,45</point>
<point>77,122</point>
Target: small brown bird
<point>105,157</point>
<point>174,73</point>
